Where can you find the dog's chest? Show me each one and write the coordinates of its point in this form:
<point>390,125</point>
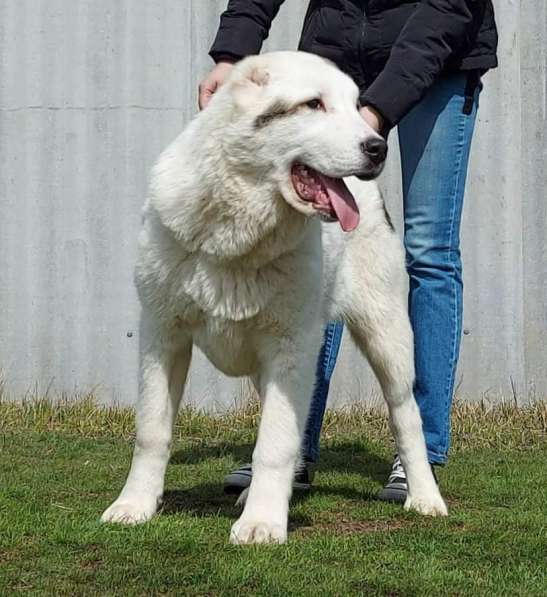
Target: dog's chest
<point>193,289</point>
<point>230,346</point>
<point>228,310</point>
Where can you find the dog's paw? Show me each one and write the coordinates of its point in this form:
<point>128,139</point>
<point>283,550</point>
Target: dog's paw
<point>247,532</point>
<point>432,505</point>
<point>129,512</point>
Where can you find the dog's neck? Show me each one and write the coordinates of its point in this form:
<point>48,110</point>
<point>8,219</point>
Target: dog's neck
<point>213,204</point>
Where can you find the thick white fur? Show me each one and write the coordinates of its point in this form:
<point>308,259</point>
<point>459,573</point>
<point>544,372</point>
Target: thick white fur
<point>231,260</point>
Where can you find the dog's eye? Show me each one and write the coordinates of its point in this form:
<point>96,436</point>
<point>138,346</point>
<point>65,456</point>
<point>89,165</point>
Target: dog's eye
<point>315,104</point>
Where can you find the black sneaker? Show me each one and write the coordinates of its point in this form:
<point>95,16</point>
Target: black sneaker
<point>238,480</point>
<point>396,488</point>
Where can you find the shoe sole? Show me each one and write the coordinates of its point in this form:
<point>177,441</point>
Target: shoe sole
<point>397,496</point>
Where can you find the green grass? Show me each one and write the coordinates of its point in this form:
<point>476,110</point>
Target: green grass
<point>61,465</point>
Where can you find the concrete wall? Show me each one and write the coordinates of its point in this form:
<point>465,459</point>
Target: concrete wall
<point>92,90</point>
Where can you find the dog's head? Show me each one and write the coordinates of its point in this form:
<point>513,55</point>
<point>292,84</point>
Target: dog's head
<point>295,122</point>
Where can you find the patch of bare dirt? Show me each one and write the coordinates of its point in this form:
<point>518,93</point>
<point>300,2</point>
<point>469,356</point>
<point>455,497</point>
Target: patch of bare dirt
<point>342,525</point>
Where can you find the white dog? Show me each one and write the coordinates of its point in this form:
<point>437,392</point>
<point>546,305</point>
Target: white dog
<point>235,257</point>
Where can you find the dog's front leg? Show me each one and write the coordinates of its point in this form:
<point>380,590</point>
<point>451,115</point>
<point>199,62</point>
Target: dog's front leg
<point>163,374</point>
<point>380,327</point>
<point>287,384</point>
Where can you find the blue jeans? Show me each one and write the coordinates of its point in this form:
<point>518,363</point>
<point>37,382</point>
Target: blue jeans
<point>434,139</point>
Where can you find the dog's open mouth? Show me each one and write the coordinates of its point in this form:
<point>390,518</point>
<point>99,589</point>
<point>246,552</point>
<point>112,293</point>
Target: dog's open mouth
<point>329,196</point>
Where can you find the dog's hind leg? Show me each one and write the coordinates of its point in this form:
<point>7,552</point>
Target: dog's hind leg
<point>287,383</point>
<point>376,315</point>
<point>163,375</point>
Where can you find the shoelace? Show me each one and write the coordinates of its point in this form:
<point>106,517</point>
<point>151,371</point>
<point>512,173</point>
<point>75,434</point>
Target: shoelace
<point>397,471</point>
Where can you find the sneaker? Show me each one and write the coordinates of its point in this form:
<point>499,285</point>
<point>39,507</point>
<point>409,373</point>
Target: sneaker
<point>238,480</point>
<point>396,488</point>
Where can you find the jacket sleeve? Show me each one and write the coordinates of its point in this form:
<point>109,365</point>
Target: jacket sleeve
<point>244,25</point>
<point>434,32</point>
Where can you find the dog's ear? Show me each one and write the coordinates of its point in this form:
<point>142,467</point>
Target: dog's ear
<point>249,85</point>
<point>259,76</point>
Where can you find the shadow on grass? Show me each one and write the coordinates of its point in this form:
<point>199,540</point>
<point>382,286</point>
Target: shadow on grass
<point>205,499</point>
<point>349,457</point>
<point>209,499</point>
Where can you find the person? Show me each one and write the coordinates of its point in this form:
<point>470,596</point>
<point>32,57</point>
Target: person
<point>418,66</point>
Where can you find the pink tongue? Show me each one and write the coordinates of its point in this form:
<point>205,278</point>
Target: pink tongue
<point>342,202</point>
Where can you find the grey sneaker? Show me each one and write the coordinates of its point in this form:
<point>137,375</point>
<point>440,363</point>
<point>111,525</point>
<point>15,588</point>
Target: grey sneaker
<point>396,488</point>
<point>238,480</point>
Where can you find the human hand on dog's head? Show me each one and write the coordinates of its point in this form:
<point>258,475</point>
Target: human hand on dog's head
<point>209,85</point>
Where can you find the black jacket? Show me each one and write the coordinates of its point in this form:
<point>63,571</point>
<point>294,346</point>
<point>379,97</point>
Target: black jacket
<point>393,49</point>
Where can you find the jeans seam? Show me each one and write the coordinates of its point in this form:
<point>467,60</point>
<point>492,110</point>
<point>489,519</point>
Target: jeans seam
<point>454,294</point>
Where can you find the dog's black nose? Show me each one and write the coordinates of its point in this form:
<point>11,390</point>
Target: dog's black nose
<point>375,149</point>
